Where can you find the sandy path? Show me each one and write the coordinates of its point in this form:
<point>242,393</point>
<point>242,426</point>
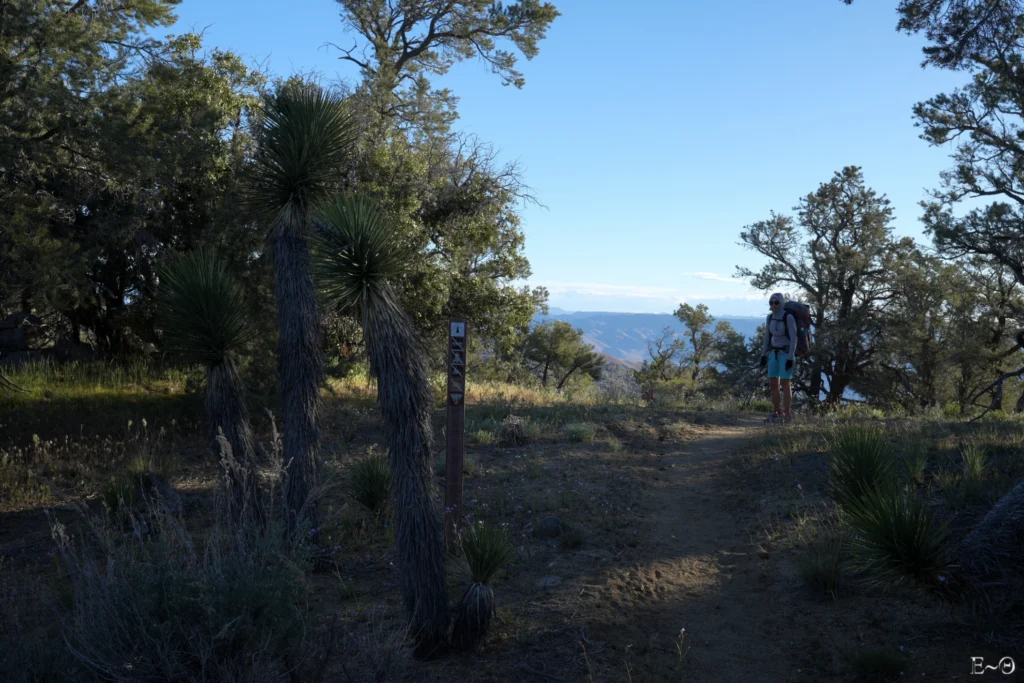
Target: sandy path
<point>747,614</point>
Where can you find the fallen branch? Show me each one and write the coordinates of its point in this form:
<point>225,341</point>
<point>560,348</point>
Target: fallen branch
<point>10,387</point>
<point>996,388</point>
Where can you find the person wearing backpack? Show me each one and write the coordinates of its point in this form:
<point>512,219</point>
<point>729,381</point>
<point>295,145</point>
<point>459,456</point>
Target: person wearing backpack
<point>778,354</point>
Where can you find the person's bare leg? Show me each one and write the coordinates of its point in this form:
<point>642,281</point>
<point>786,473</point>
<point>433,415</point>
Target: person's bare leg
<point>776,398</point>
<point>787,397</point>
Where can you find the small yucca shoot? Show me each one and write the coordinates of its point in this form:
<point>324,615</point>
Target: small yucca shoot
<point>916,461</point>
<point>860,464</point>
<point>487,551</point>
<point>372,483</point>
<point>896,539</point>
<point>974,461</point>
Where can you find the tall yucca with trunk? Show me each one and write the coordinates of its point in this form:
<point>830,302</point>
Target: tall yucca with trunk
<point>203,317</point>
<point>304,138</point>
<point>357,256</point>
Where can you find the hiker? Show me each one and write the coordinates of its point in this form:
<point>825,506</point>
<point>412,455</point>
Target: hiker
<point>778,353</point>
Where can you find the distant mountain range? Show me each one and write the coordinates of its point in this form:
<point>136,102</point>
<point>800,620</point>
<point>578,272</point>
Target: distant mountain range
<point>624,336</point>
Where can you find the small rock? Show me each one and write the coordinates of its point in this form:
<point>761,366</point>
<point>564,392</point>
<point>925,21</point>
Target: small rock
<point>548,582</point>
<point>548,527</point>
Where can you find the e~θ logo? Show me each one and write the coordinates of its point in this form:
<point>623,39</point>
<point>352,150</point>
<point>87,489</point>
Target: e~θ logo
<point>1005,666</point>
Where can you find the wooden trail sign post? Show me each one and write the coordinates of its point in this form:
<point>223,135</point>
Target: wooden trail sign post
<point>456,426</point>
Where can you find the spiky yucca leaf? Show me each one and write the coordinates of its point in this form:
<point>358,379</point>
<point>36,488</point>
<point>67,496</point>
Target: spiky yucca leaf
<point>357,251</point>
<point>859,464</point>
<point>304,137</point>
<point>916,461</point>
<point>974,461</point>
<point>896,539</point>
<point>473,617</point>
<point>202,309</point>
<point>487,551</point>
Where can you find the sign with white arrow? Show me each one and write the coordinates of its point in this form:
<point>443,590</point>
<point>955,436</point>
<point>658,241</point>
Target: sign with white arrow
<point>456,425</point>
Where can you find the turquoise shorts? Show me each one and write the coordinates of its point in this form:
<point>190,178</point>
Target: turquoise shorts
<point>777,365</point>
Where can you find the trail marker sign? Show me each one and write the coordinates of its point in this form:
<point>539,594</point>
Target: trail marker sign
<point>456,426</point>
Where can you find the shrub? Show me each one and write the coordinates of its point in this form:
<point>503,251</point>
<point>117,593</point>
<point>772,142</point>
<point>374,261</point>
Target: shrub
<point>122,491</point>
<point>372,483</point>
<point>487,550</point>
<point>483,437</point>
<point>580,432</point>
<point>165,605</point>
<point>512,431</point>
<point>377,650</point>
<point>896,539</point>
<point>859,464</point>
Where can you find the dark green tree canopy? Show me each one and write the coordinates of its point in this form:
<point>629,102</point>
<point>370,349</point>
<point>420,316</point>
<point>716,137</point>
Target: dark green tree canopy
<point>841,255</point>
<point>556,351</point>
<point>401,43</point>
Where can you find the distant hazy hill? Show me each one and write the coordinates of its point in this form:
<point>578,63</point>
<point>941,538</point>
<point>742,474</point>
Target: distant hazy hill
<point>625,335</point>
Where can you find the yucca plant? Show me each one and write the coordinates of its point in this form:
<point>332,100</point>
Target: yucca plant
<point>859,464</point>
<point>303,141</point>
<point>372,483</point>
<point>357,257</point>
<point>915,461</point>
<point>895,539</point>
<point>487,550</point>
<point>821,564</point>
<point>974,461</point>
<point>203,316</point>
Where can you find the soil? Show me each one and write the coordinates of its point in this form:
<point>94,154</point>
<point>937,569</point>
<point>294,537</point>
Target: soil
<point>704,565</point>
<point>677,531</point>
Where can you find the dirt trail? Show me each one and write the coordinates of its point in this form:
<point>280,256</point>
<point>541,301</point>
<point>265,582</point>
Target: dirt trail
<point>702,574</point>
<point>746,613</point>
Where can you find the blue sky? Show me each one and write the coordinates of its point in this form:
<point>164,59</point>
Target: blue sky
<point>654,135</point>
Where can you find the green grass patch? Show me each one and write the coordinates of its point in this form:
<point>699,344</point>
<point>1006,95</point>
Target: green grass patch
<point>581,432</point>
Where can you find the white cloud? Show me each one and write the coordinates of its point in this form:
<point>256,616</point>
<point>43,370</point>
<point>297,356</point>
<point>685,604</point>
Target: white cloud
<point>715,277</point>
<point>627,291</point>
<point>595,296</point>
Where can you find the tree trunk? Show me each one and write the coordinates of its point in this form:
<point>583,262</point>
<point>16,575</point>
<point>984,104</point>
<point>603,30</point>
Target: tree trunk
<point>1019,408</point>
<point>300,363</point>
<point>814,394</point>
<point>398,361</point>
<point>226,411</point>
<point>836,390</point>
<point>565,378</point>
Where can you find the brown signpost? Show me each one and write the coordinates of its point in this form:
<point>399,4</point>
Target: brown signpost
<point>456,402</point>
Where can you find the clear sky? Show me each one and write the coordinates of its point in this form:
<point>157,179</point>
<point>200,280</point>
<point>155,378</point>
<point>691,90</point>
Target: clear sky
<point>654,134</point>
